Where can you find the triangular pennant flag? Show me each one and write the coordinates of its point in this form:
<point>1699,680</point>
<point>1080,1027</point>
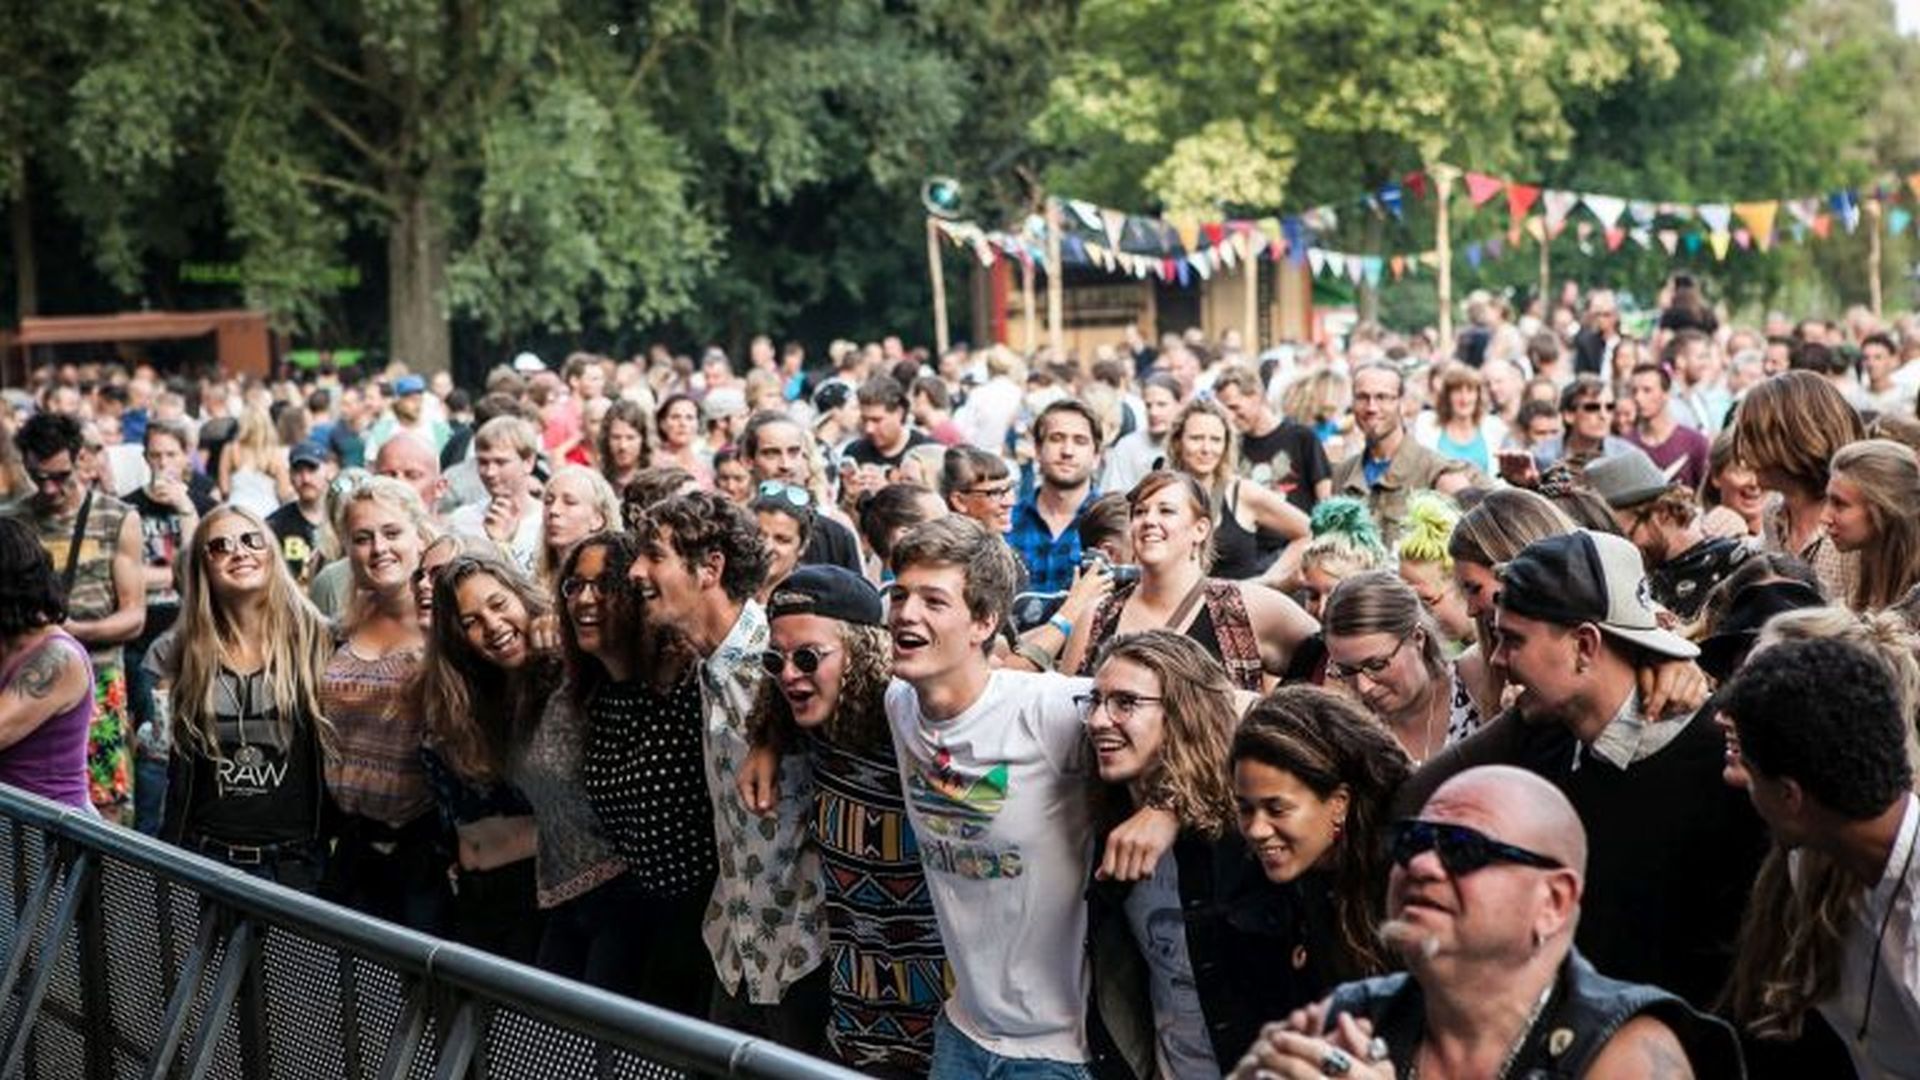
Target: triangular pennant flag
<point>1269,227</point>
<point>1186,270</point>
<point>1372,267</point>
<point>1898,218</point>
<point>1717,216</point>
<point>1743,238</point>
<point>1088,214</point>
<point>1116,223</point>
<point>1214,232</point>
<point>1355,269</point>
<point>1481,187</point>
<point>1318,260</point>
<point>1803,210</point>
<point>1683,211</point>
<point>1473,256</point>
<point>1823,225</point>
<point>1226,254</point>
<point>1431,258</point>
<point>1668,240</point>
<point>1605,208</point>
<point>1847,205</point>
<point>1642,212</point>
<point>1719,240</point>
<point>1187,228</point>
<point>1615,236</point>
<point>1416,184</point>
<point>1167,270</point>
<point>1497,246</point>
<point>1557,205</point>
<point>1399,266</point>
<point>1642,236</point>
<point>1390,198</point>
<point>1758,218</point>
<point>1202,262</point>
<point>1913,184</point>
<point>1537,228</point>
<point>1520,199</point>
<point>1692,242</point>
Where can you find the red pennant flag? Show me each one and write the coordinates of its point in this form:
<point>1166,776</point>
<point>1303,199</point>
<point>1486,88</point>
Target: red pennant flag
<point>1823,225</point>
<point>1399,265</point>
<point>1415,183</point>
<point>1215,233</point>
<point>1614,238</point>
<point>1481,187</point>
<point>1520,198</point>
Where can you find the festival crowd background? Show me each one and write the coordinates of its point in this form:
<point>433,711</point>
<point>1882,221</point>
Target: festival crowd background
<point>981,714</point>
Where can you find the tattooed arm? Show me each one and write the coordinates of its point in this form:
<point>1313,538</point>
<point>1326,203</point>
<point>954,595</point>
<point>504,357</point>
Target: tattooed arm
<point>52,679</point>
<point>1645,1049</point>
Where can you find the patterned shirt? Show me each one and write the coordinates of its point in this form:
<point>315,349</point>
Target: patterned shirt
<point>1050,560</point>
<point>574,856</point>
<point>764,926</point>
<point>889,970</point>
<point>92,595</point>
<point>1837,570</point>
<point>646,777</point>
<point>376,772</point>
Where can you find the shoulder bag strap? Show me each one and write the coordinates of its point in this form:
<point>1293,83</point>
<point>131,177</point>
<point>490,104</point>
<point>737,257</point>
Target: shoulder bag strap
<point>73,544</point>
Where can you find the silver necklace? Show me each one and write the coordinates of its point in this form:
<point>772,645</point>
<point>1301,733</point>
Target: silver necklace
<point>1513,1052</point>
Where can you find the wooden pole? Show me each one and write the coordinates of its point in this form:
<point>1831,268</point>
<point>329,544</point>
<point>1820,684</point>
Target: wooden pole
<point>1250,262</point>
<point>1873,255</point>
<point>1443,250</point>
<point>1546,268</point>
<point>1032,317</point>
<point>934,269</point>
<point>1056,289</point>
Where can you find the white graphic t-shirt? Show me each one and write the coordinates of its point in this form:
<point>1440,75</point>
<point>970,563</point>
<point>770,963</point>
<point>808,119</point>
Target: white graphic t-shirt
<point>998,800</point>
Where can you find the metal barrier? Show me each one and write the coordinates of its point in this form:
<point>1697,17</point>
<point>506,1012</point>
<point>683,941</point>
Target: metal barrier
<point>127,957</point>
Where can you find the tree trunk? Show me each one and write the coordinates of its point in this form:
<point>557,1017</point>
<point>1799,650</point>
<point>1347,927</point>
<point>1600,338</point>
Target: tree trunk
<point>417,284</point>
<point>26,269</point>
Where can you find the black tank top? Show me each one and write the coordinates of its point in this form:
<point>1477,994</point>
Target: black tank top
<point>1237,554</point>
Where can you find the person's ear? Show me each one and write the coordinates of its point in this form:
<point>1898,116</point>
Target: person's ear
<point>1587,643</point>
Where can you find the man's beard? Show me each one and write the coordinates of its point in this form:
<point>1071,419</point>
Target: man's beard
<point>1408,939</point>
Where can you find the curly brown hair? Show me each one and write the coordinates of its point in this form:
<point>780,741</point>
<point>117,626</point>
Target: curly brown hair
<point>1328,743</point>
<point>704,523</point>
<point>475,711</point>
<point>1197,699</point>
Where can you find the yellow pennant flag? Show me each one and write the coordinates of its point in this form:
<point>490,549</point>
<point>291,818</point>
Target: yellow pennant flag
<point>1758,217</point>
<point>1719,239</point>
<point>1187,227</point>
<point>1537,228</point>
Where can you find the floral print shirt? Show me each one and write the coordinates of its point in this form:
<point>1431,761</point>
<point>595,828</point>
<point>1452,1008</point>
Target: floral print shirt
<point>765,925</point>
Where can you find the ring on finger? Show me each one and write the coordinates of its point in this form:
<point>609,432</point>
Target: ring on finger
<point>1335,1062</point>
<point>1377,1049</point>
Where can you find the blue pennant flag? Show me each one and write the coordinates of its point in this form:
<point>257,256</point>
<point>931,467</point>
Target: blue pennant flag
<point>1391,199</point>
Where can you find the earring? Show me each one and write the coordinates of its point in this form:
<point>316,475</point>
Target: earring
<point>1339,826</point>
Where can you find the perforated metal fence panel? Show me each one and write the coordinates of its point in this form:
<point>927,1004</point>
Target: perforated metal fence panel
<point>122,957</point>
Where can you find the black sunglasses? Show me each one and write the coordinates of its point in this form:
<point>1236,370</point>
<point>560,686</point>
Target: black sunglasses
<point>42,478</point>
<point>807,658</point>
<point>222,546</point>
<point>1461,850</point>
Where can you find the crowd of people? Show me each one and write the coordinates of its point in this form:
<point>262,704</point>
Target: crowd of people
<point>1537,703</point>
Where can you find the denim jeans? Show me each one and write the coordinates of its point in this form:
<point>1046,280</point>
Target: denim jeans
<point>956,1057</point>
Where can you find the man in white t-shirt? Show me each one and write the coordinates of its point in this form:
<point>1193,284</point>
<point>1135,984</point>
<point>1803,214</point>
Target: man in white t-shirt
<point>504,450</point>
<point>996,768</point>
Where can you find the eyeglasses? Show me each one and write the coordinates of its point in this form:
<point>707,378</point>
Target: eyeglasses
<point>1461,850</point>
<point>996,492</point>
<point>1370,668</point>
<point>42,479</point>
<point>1595,406</point>
<point>778,489</point>
<point>806,658</point>
<point>1120,705</point>
<point>575,586</point>
<point>221,547</point>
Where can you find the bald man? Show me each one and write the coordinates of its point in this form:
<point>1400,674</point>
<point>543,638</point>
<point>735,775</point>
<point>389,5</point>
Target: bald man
<point>1482,901</point>
<point>407,459</point>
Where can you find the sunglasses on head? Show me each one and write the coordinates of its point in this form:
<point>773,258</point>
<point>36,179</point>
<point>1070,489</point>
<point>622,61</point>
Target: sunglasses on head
<point>794,495</point>
<point>806,658</point>
<point>1461,850</point>
<point>221,547</point>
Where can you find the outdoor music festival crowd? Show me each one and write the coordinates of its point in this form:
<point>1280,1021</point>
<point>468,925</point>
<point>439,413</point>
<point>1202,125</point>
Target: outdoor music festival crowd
<point>1537,705</point>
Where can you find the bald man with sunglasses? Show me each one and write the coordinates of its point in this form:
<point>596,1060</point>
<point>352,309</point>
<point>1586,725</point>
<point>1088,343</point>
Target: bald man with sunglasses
<point>1482,902</point>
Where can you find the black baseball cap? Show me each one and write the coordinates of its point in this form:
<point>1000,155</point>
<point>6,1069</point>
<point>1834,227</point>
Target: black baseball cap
<point>832,592</point>
<point>1589,577</point>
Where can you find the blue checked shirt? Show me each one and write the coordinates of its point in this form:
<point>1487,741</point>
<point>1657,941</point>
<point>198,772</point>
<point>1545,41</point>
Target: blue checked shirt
<point>1050,560</point>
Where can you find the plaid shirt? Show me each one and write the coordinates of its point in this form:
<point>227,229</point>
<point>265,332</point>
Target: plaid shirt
<point>1050,560</point>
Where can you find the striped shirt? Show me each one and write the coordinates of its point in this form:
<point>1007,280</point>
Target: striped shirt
<point>376,772</point>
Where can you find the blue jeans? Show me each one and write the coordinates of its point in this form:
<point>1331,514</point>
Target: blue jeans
<point>956,1057</point>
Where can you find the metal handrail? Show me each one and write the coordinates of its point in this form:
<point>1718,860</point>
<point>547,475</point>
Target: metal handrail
<point>438,968</point>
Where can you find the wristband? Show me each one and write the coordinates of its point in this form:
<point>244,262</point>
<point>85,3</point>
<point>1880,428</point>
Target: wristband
<point>1061,623</point>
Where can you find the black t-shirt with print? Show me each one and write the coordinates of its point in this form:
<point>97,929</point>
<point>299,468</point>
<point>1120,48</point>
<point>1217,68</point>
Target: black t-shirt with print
<point>296,535</point>
<point>1289,459</point>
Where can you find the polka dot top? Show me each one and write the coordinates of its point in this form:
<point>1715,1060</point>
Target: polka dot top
<point>645,775</point>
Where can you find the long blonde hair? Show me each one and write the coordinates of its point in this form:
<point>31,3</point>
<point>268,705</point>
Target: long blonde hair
<point>255,440</point>
<point>600,495</point>
<point>295,641</point>
<point>1887,475</point>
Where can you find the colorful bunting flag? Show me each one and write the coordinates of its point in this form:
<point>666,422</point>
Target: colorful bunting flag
<point>1187,228</point>
<point>1520,199</point>
<point>1758,217</point>
<point>1822,225</point>
<point>1557,205</point>
<point>1318,260</point>
<point>1719,240</point>
<point>1743,238</point>
<point>1668,239</point>
<point>1898,218</point>
<point>1716,215</point>
<point>1390,198</point>
<point>1116,223</point>
<point>1605,208</point>
<point>1615,236</point>
<point>1088,214</point>
<point>1399,266</point>
<point>1847,205</point>
<point>1481,187</point>
<point>1692,242</point>
<point>1642,212</point>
